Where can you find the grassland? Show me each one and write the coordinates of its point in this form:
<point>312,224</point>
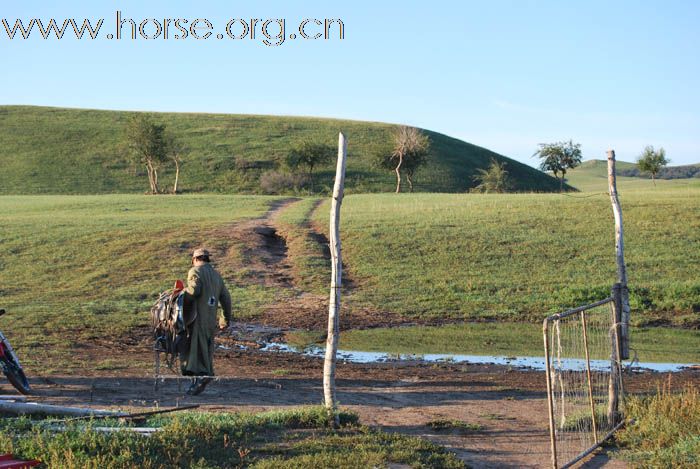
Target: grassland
<point>521,257</point>
<point>72,151</point>
<point>297,438</point>
<point>649,344</point>
<point>666,432</point>
<point>592,176</point>
<point>79,269</point>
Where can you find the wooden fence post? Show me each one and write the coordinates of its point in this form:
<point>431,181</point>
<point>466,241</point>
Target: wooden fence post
<point>615,347</point>
<point>620,256</point>
<point>336,282</point>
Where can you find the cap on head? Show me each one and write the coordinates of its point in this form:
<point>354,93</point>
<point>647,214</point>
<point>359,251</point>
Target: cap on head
<point>200,252</point>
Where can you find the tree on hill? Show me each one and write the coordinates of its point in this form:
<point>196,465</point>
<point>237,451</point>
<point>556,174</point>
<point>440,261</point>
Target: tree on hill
<point>147,144</point>
<point>493,179</point>
<point>309,155</point>
<point>409,152</point>
<point>176,151</point>
<point>651,161</point>
<point>411,164</point>
<point>558,158</point>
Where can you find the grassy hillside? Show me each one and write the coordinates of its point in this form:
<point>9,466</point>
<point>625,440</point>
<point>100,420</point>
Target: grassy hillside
<point>592,176</point>
<point>71,151</point>
<point>520,256</point>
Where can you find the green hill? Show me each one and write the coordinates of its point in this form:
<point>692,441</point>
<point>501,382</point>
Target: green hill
<point>599,168</point>
<point>74,151</point>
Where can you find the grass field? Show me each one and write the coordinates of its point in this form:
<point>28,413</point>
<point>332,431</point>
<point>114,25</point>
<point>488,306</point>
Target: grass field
<point>521,257</point>
<point>297,438</point>
<point>90,267</point>
<point>651,344</point>
<point>77,269</point>
<point>74,151</point>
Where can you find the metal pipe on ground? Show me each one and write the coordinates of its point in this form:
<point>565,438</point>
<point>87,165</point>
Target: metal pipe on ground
<point>32,408</point>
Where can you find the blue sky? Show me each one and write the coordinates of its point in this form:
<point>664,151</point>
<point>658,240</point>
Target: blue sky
<point>505,75</point>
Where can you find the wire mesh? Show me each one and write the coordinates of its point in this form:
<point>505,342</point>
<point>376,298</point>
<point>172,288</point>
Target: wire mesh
<point>580,357</point>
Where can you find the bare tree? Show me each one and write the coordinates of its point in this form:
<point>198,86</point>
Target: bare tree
<point>411,164</point>
<point>176,150</point>
<point>410,151</point>
<point>147,144</point>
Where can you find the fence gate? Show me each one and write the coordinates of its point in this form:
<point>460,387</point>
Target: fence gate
<point>584,379</point>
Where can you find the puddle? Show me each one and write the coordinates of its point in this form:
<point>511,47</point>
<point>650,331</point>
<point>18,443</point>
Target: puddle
<point>235,347</point>
<point>531,363</point>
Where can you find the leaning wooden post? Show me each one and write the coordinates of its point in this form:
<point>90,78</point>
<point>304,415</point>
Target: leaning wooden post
<point>336,282</point>
<point>620,255</point>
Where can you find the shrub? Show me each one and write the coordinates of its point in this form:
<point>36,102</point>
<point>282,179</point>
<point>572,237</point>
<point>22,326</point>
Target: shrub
<point>275,182</point>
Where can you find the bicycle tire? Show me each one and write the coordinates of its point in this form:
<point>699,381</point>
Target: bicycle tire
<point>15,375</point>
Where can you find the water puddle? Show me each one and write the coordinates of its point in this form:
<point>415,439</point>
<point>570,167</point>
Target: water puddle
<point>531,363</point>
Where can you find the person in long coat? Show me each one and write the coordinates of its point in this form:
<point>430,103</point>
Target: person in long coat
<point>206,289</point>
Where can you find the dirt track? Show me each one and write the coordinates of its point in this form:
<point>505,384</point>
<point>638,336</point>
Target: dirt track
<point>400,397</point>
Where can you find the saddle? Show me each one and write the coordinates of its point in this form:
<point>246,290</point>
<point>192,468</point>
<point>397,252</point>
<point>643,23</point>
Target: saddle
<point>172,316</point>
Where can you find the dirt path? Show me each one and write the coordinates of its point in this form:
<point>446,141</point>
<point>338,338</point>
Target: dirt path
<point>263,251</point>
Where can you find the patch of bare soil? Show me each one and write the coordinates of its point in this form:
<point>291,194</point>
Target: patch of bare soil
<point>260,253</point>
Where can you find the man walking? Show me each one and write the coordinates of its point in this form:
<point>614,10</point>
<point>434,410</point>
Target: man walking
<point>206,289</point>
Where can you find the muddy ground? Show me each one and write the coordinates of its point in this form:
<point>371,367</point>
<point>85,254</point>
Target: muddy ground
<point>509,404</point>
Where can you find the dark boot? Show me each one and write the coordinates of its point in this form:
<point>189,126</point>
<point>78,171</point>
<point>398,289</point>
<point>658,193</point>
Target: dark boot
<point>201,384</point>
<point>194,385</point>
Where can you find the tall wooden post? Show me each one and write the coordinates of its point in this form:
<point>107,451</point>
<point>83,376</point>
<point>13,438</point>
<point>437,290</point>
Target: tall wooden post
<point>615,342</point>
<point>620,255</point>
<point>336,282</point>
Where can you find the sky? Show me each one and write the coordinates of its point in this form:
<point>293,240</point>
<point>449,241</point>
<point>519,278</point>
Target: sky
<point>505,75</point>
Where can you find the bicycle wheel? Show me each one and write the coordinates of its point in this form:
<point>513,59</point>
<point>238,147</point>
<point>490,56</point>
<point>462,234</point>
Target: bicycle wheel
<point>15,375</point>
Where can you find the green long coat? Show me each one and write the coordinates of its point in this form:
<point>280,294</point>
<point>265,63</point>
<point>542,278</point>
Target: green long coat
<point>207,288</point>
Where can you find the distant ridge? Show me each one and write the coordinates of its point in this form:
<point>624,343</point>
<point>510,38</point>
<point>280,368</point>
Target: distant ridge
<point>46,150</point>
<point>625,169</point>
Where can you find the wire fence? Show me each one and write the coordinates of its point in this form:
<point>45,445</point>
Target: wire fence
<point>584,381</point>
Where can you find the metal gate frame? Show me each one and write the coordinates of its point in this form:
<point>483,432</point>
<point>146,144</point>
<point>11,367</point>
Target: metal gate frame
<point>615,375</point>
